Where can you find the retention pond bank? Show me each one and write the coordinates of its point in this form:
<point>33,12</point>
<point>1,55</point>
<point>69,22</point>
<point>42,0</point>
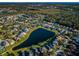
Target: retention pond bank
<point>37,36</point>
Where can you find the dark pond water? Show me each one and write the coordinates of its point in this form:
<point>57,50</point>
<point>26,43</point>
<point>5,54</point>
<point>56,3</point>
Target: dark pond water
<point>37,36</point>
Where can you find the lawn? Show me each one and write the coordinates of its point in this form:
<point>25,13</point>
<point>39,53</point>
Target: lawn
<point>22,39</point>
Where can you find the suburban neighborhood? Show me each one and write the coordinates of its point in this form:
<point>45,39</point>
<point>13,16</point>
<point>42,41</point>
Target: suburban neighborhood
<point>17,27</point>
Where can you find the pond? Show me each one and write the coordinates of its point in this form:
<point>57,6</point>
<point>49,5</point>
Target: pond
<point>37,36</point>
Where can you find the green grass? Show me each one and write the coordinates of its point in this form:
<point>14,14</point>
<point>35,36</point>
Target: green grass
<point>22,39</point>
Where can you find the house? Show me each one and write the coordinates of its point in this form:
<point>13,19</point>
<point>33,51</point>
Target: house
<point>30,53</point>
<point>76,39</point>
<point>10,41</point>
<point>46,25</point>
<point>25,30</point>
<point>44,49</point>
<point>59,53</point>
<point>62,32</point>
<point>47,47</point>
<point>22,33</point>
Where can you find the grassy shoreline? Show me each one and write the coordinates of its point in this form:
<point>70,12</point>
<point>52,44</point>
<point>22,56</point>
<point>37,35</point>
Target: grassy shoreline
<point>22,39</point>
